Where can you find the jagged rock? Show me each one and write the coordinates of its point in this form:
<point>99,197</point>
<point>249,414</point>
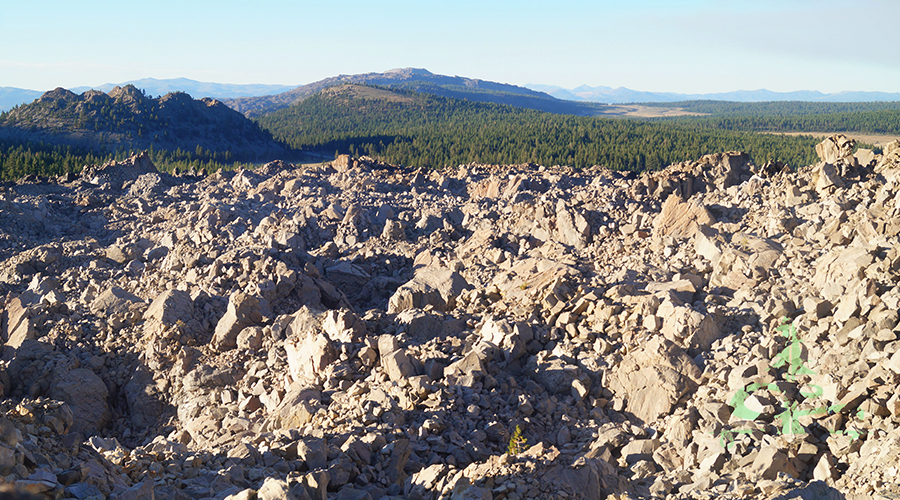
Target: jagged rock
<point>122,253</point>
<point>86,394</point>
<point>745,262</point>
<point>295,410</point>
<point>398,365</point>
<point>469,366</point>
<point>15,324</point>
<point>639,449</point>
<point>890,158</point>
<point>147,406</point>
<point>711,172</point>
<point>347,276</point>
<point>343,326</point>
<point>419,324</point>
<point>118,306</point>
<point>572,229</point>
<point>839,267</point>
<point>680,219</point>
<point>393,230</point>
<point>170,307</point>
<point>827,178</point>
<point>117,173</point>
<point>243,311</point>
<point>690,329</point>
<point>835,149</point>
<point>434,287</point>
<point>274,489</point>
<point>309,350</point>
<point>512,339</point>
<point>141,491</point>
<point>769,462</point>
<point>557,375</point>
<point>654,378</point>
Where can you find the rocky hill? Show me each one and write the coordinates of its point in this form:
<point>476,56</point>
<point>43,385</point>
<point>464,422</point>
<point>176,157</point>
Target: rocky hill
<point>419,80</point>
<point>126,118</point>
<point>361,331</point>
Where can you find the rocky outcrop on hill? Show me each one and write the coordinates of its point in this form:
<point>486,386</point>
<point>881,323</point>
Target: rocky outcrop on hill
<point>361,331</point>
<point>127,118</point>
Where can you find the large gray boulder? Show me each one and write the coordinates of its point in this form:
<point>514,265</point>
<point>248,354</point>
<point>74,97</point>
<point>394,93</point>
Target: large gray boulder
<point>86,394</point>
<point>118,306</point>
<point>654,378</point>
<point>680,219</point>
<point>243,311</point>
<point>169,307</point>
<point>308,347</point>
<point>434,286</point>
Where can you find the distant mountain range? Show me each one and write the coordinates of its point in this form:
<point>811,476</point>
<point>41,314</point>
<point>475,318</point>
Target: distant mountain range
<point>258,99</point>
<point>196,89</point>
<point>12,96</point>
<point>609,95</point>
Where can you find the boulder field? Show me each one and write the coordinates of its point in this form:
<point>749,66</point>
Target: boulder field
<point>361,331</point>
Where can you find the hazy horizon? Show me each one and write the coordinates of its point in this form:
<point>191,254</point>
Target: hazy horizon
<point>530,85</point>
<point>692,47</point>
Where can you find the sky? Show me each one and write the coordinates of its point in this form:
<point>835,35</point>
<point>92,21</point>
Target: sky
<point>691,46</point>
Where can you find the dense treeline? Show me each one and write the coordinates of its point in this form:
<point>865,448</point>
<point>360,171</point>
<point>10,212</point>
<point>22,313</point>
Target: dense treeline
<point>776,108</point>
<point>424,130</point>
<point>865,122</point>
<point>793,116</point>
<point>20,158</point>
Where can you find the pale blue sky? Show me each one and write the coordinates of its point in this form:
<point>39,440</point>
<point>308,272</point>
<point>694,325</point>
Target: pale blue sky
<point>688,46</point>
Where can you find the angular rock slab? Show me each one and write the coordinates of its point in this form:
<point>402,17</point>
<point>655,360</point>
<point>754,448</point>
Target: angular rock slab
<point>654,378</point>
<point>243,311</point>
<point>86,394</point>
<point>437,287</point>
<point>680,219</point>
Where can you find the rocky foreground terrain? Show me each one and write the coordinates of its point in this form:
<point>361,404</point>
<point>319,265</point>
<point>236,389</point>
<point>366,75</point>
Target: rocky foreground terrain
<point>362,331</point>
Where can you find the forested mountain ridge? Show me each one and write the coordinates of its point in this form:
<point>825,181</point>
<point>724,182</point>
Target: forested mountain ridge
<point>420,80</point>
<point>128,119</point>
<point>425,130</point>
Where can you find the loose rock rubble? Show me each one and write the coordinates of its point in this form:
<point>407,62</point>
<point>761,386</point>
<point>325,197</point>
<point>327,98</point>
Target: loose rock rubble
<point>357,330</point>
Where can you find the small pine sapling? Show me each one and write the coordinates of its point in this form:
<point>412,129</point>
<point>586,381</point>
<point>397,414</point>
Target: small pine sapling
<point>517,442</point>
